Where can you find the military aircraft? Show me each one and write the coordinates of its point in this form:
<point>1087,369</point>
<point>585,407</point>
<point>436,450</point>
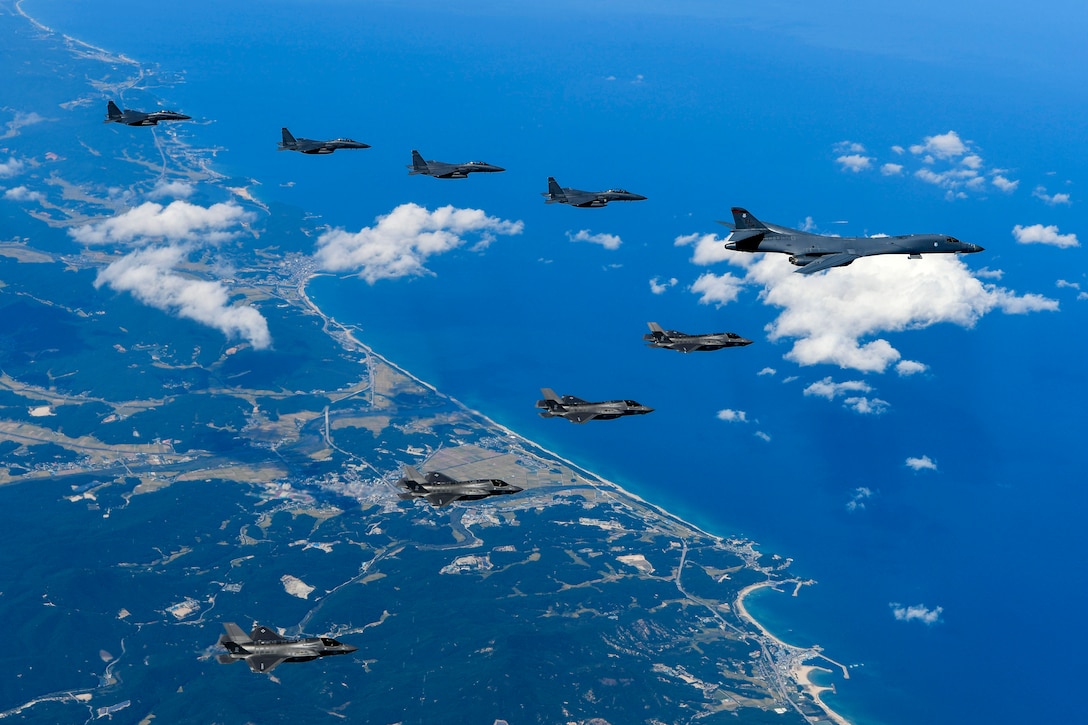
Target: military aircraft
<point>815,252</point>
<point>439,489</point>
<point>310,146</point>
<point>139,118</point>
<point>264,650</point>
<point>576,197</point>
<point>673,340</point>
<point>442,170</point>
<point>577,410</point>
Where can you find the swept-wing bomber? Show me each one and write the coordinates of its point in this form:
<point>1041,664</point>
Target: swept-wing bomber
<point>139,118</point>
<point>439,489</point>
<point>577,410</point>
<point>673,340</point>
<point>443,170</point>
<point>264,649</point>
<point>557,194</point>
<point>815,252</point>
<point>310,146</point>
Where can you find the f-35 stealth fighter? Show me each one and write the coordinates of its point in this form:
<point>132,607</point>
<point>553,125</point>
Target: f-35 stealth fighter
<point>814,252</point>
<point>264,650</point>
<point>439,489</point>
<point>577,410</point>
<point>557,194</point>
<point>310,146</point>
<point>139,118</point>
<point>673,340</point>
<point>442,170</point>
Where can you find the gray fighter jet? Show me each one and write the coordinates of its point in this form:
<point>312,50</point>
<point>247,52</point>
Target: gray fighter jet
<point>139,118</point>
<point>814,252</point>
<point>264,650</point>
<point>439,489</point>
<point>309,146</point>
<point>673,340</point>
<point>577,410</point>
<point>442,170</point>
<point>557,194</point>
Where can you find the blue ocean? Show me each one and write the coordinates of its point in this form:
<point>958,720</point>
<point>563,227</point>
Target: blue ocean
<point>701,109</point>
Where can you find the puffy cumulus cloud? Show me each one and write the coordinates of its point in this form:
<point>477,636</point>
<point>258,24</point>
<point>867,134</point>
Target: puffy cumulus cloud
<point>1038,234</point>
<point>21,193</point>
<point>176,222</point>
<point>1051,199</point>
<point>925,463</point>
<point>849,147</point>
<point>916,613</point>
<point>732,416</point>
<point>830,314</point>
<point>1006,185</point>
<point>150,276</point>
<point>11,167</point>
<point>910,367</point>
<point>709,248</point>
<point>891,169</point>
<point>857,500</point>
<point>942,146</point>
<point>829,389</point>
<point>987,273</point>
<point>164,189</point>
<point>400,242</point>
<point>717,290</point>
<point>855,162</point>
<point>866,406</point>
<point>608,241</point>
<point>658,287</point>
<point>1064,283</point>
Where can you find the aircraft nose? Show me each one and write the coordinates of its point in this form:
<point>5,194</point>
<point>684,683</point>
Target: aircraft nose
<point>745,341</point>
<point>348,649</point>
<point>638,197</point>
<point>977,248</point>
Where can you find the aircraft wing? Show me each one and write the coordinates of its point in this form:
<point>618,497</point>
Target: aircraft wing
<point>577,198</point>
<point>583,417</point>
<point>442,498</point>
<point>828,261</point>
<point>264,663</point>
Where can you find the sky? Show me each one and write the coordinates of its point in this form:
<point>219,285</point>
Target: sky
<point>906,430</point>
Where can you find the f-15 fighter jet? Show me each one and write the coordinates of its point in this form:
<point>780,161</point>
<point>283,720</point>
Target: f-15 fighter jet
<point>673,340</point>
<point>814,252</point>
<point>577,410</point>
<point>439,489</point>
<point>139,118</point>
<point>442,170</point>
<point>557,194</point>
<point>310,146</point>
<point>263,649</point>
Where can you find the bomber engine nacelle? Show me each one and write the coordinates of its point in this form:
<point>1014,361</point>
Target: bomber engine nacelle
<point>801,260</point>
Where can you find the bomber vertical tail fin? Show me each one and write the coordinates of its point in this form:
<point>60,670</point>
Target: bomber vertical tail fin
<point>744,219</point>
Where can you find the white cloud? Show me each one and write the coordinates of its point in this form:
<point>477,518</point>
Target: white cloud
<point>21,119</point>
<point>400,242</point>
<point>826,388</point>
<point>891,169</point>
<point>857,500</point>
<point>866,406</point>
<point>767,371</point>
<point>910,367</point>
<point>917,612</point>
<point>1006,185</point>
<point>762,436</point>
<point>733,416</point>
<point>1083,296</point>
<point>1038,234</point>
<point>943,146</point>
<point>21,193</point>
<point>717,290</point>
<point>925,463</point>
<point>709,248</point>
<point>658,287</point>
<point>608,241</point>
<point>898,149</point>
<point>855,162</point>
<point>148,274</point>
<point>849,147</point>
<point>11,167</point>
<point>1051,199</point>
<point>987,273</point>
<point>1061,283</point>
<point>171,189</point>
<point>790,379</point>
<point>179,221</point>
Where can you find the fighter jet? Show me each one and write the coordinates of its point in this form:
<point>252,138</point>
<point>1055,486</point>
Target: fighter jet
<point>815,252</point>
<point>577,410</point>
<point>576,197</point>
<point>439,489</point>
<point>673,340</point>
<point>139,118</point>
<point>309,146</point>
<point>442,170</point>
<point>263,649</point>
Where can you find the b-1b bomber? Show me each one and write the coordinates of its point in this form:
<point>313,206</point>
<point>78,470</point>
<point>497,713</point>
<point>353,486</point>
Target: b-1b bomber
<point>577,410</point>
<point>815,252</point>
